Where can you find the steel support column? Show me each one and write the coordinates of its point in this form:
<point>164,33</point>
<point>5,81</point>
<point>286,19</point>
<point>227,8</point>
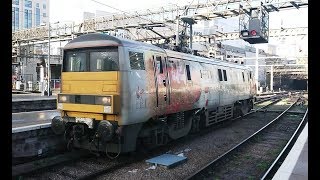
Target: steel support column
<point>271,79</point>
<point>256,70</point>
<point>48,73</point>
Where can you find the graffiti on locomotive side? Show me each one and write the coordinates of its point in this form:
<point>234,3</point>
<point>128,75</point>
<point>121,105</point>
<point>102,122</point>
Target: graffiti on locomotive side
<point>141,98</point>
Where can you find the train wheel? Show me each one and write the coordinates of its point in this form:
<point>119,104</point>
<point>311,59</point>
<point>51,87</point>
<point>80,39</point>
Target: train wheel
<point>70,144</point>
<point>237,110</point>
<point>179,125</point>
<point>245,108</point>
<point>195,123</point>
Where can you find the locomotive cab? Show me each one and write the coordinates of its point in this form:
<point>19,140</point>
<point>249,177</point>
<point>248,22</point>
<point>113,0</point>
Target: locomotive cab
<point>90,92</point>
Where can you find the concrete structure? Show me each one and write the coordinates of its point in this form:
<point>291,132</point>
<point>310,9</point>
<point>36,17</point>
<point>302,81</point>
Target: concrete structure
<point>29,13</point>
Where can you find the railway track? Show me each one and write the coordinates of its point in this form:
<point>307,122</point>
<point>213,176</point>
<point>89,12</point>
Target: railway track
<point>118,166</point>
<point>211,143</point>
<point>267,97</point>
<point>285,151</point>
<point>23,168</point>
<point>264,99</point>
<point>256,156</point>
<point>97,166</point>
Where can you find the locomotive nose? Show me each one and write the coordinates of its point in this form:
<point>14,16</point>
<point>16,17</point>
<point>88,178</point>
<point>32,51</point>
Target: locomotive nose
<point>57,125</point>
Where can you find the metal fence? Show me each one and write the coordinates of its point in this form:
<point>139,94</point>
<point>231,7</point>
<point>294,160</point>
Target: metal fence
<point>55,84</point>
<point>30,85</point>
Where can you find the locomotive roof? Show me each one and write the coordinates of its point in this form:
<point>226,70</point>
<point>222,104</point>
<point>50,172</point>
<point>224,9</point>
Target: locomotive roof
<point>99,39</point>
<point>179,55</point>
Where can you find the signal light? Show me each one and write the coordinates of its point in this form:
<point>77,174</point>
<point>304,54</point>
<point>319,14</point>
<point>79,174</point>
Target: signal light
<point>253,32</point>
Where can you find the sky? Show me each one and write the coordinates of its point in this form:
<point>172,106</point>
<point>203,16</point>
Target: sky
<point>72,10</point>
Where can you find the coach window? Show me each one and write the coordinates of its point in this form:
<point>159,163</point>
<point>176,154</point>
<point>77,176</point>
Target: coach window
<point>243,76</point>
<point>220,75</point>
<point>106,60</point>
<point>225,75</point>
<point>172,65</point>
<point>188,72</point>
<point>136,60</point>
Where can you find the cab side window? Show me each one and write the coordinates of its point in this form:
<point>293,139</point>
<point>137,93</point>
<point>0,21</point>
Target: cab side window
<point>220,75</point>
<point>136,60</point>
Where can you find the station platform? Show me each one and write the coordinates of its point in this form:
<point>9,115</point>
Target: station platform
<point>33,102</point>
<point>31,97</point>
<point>26,121</point>
<point>295,166</point>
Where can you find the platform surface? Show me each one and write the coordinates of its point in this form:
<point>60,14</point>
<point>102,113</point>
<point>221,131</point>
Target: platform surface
<point>31,97</point>
<point>25,121</point>
<point>295,166</point>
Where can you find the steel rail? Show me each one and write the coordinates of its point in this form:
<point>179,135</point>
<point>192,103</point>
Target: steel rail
<point>219,158</point>
<point>264,99</point>
<point>103,171</point>
<point>285,151</point>
<point>259,109</point>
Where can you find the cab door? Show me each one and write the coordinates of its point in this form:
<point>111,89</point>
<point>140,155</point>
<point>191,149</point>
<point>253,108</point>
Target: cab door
<point>161,81</point>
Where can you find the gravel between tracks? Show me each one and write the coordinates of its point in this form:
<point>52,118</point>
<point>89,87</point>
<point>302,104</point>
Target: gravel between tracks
<point>252,159</point>
<point>199,151</point>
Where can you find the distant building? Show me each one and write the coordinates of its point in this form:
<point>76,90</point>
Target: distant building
<point>29,13</point>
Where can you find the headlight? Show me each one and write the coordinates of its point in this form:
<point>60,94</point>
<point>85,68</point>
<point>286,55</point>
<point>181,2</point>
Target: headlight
<point>106,100</point>
<point>103,100</point>
<point>244,33</point>
<point>63,99</point>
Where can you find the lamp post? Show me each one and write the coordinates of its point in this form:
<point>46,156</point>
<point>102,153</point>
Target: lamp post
<point>48,68</point>
<point>256,69</point>
<point>48,72</point>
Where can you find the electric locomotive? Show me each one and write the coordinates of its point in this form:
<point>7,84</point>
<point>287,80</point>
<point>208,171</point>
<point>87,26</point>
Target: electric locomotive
<point>118,95</point>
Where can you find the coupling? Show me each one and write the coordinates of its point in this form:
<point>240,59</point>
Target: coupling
<point>58,125</point>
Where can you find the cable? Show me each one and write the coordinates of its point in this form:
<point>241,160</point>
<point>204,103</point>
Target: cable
<point>108,6</point>
<point>68,145</point>
<point>90,145</point>
<point>187,7</point>
<point>119,10</point>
